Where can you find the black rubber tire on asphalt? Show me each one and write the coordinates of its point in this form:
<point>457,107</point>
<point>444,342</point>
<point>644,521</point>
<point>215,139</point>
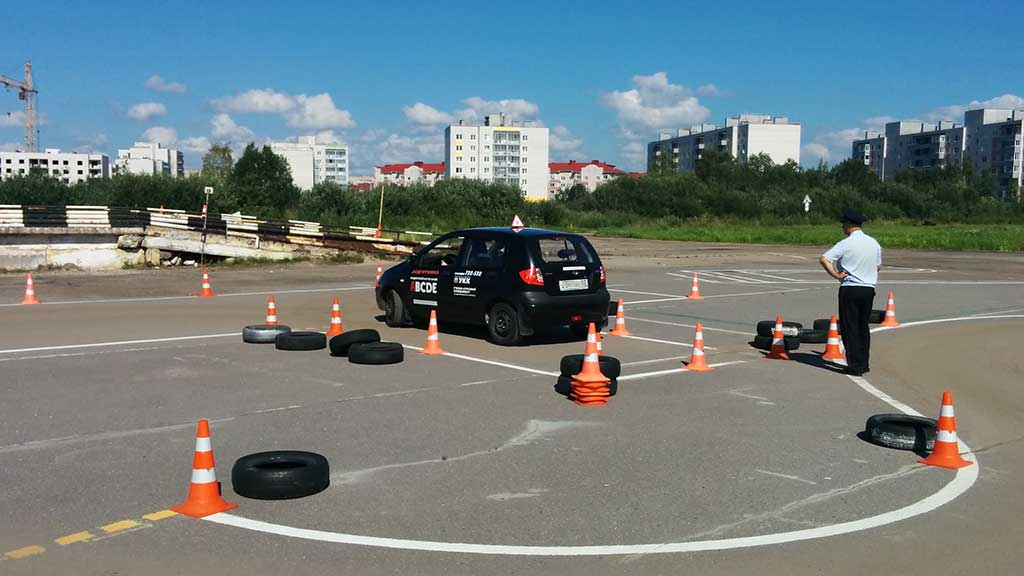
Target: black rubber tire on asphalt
<point>765,342</point>
<point>814,336</point>
<point>376,353</point>
<point>301,341</point>
<point>876,317</point>
<point>573,364</point>
<point>341,343</point>
<point>613,308</point>
<point>280,475</point>
<point>503,325</point>
<point>564,386</point>
<point>396,314</point>
<point>263,334</point>
<point>901,431</point>
<point>767,328</point>
<point>823,324</point>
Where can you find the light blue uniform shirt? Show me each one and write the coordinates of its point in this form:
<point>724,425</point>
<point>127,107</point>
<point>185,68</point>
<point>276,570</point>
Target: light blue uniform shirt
<point>859,255</point>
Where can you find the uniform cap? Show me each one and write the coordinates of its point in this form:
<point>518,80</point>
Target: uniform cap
<point>851,216</point>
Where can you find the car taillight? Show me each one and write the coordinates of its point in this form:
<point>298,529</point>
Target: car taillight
<point>532,276</point>
<point>604,277</point>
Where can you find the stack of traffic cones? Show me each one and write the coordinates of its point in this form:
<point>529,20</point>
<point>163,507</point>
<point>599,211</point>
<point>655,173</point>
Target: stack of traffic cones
<point>30,291</point>
<point>206,292</point>
<point>695,289</point>
<point>271,312</point>
<point>946,452</point>
<point>433,347</point>
<point>698,363</point>
<point>590,386</point>
<point>335,328</point>
<point>832,349</point>
<point>778,351</point>
<point>204,492</point>
<point>890,313</point>
<point>620,322</point>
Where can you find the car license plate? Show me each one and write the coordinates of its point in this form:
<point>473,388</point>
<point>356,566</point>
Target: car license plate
<point>568,285</point>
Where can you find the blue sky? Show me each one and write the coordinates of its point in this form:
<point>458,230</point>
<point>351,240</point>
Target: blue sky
<point>604,76</point>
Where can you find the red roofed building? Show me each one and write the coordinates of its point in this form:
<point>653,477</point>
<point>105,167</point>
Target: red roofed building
<point>590,174</point>
<point>408,174</point>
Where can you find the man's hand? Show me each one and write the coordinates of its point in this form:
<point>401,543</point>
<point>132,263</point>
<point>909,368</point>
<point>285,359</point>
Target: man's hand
<point>831,269</point>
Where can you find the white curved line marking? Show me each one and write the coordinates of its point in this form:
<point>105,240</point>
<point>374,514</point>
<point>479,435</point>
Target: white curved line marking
<point>964,479</point>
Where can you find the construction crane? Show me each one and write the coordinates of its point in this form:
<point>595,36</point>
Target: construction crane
<point>27,93</point>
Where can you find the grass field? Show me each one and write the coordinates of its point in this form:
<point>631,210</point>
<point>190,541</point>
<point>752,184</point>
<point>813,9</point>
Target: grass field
<point>993,237</point>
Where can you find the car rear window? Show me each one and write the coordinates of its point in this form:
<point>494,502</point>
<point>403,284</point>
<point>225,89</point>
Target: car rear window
<point>565,250</point>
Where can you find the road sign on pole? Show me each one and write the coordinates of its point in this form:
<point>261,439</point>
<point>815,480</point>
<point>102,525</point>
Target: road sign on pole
<point>807,203</point>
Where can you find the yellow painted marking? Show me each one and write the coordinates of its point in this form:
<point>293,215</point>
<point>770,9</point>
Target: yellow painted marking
<point>159,515</point>
<point>119,526</point>
<point>72,538</point>
<point>25,552</point>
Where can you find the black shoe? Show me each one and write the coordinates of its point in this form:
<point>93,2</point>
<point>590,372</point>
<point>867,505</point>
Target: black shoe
<point>852,372</point>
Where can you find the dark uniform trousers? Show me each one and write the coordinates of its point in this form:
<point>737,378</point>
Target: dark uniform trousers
<point>854,312</point>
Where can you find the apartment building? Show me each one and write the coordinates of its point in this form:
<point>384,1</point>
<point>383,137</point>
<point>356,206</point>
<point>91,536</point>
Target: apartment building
<point>408,174</point>
<point>563,175</point>
<point>500,150</point>
<point>68,167</point>
<point>994,144</point>
<point>313,163</point>
<point>742,137</point>
<point>871,151</point>
<point>150,158</point>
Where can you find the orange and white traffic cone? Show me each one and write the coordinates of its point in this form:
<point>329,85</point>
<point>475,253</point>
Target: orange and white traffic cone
<point>600,347</point>
<point>204,492</point>
<point>946,452</point>
<point>832,349</point>
<point>271,312</point>
<point>380,271</point>
<point>433,347</point>
<point>590,386</point>
<point>206,292</point>
<point>695,289</point>
<point>335,328</point>
<point>30,291</point>
<point>890,313</point>
<point>698,363</point>
<point>620,322</point>
<point>778,351</point>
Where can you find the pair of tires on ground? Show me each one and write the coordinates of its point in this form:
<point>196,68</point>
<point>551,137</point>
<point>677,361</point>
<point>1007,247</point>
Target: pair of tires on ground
<point>280,475</point>
<point>572,364</point>
<point>360,346</point>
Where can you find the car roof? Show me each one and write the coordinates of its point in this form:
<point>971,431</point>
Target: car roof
<point>524,233</point>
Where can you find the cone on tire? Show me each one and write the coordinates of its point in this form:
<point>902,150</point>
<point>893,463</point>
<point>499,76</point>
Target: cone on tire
<point>832,349</point>
<point>890,313</point>
<point>433,347</point>
<point>30,291</point>
<point>271,312</point>
<point>620,322</point>
<point>204,491</point>
<point>698,363</point>
<point>778,351</point>
<point>695,289</point>
<point>335,328</point>
<point>590,386</point>
<point>206,291</point>
<point>380,272</point>
<point>946,452</point>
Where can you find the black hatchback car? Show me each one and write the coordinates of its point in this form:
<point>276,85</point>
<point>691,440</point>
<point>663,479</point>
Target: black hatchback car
<point>515,282</point>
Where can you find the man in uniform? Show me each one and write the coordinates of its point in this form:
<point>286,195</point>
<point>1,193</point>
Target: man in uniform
<point>854,261</point>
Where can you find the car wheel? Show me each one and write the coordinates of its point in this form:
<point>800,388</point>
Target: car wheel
<point>901,431</point>
<point>765,342</point>
<point>767,328</point>
<point>823,324</point>
<point>376,353</point>
<point>814,336</point>
<point>573,364</point>
<point>301,341</point>
<point>263,334</point>
<point>579,331</point>
<point>280,475</point>
<point>503,325</point>
<point>395,314</point>
<point>341,343</point>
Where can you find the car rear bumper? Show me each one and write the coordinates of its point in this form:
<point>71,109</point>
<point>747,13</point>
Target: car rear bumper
<point>542,310</point>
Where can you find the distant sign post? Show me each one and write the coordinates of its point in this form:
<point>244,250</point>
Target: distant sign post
<point>202,253</point>
<point>807,204</point>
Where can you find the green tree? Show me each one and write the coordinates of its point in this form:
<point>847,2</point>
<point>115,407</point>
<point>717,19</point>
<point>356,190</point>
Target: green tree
<point>571,194</point>
<point>663,165</point>
<point>217,162</point>
<point>261,182</point>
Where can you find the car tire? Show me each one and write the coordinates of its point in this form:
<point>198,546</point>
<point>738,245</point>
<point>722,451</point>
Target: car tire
<point>767,328</point>
<point>280,475</point>
<point>263,334</point>
<point>503,325</point>
<point>341,343</point>
<point>813,336</point>
<point>580,331</point>
<point>901,431</point>
<point>823,324</point>
<point>573,364</point>
<point>765,342</point>
<point>564,386</point>
<point>376,353</point>
<point>301,341</point>
<point>395,313</point>
<point>876,317</point>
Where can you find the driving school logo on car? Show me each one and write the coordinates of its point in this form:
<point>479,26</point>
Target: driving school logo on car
<point>423,285</point>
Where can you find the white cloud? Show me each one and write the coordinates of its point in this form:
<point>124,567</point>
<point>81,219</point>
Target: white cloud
<point>11,146</point>
<point>14,119</point>
<point>223,127</point>
<point>655,103</point>
<point>146,111</point>
<point>563,143</point>
<point>815,152</point>
<point>197,145</point>
<point>635,154</point>
<point>161,134</point>
<point>158,84</point>
<point>316,112</point>
<point>379,146</point>
<point>1005,101</point>
<point>329,137</point>
<point>91,144</point>
<point>709,90</point>
<point>424,114</point>
<point>517,108</point>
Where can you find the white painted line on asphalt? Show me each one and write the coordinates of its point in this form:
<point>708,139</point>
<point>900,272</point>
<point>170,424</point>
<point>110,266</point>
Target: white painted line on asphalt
<point>652,361</point>
<point>491,362</point>
<point>193,297</point>
<point>121,343</point>
<point>690,277</point>
<point>648,293</point>
<point>787,290</point>
<point>676,370</point>
<point>786,476</point>
<point>961,482</point>
<point>655,300</point>
<point>942,320</point>
<point>681,325</point>
<point>999,312</point>
<point>76,354</point>
<point>663,341</point>
<point>477,382</point>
